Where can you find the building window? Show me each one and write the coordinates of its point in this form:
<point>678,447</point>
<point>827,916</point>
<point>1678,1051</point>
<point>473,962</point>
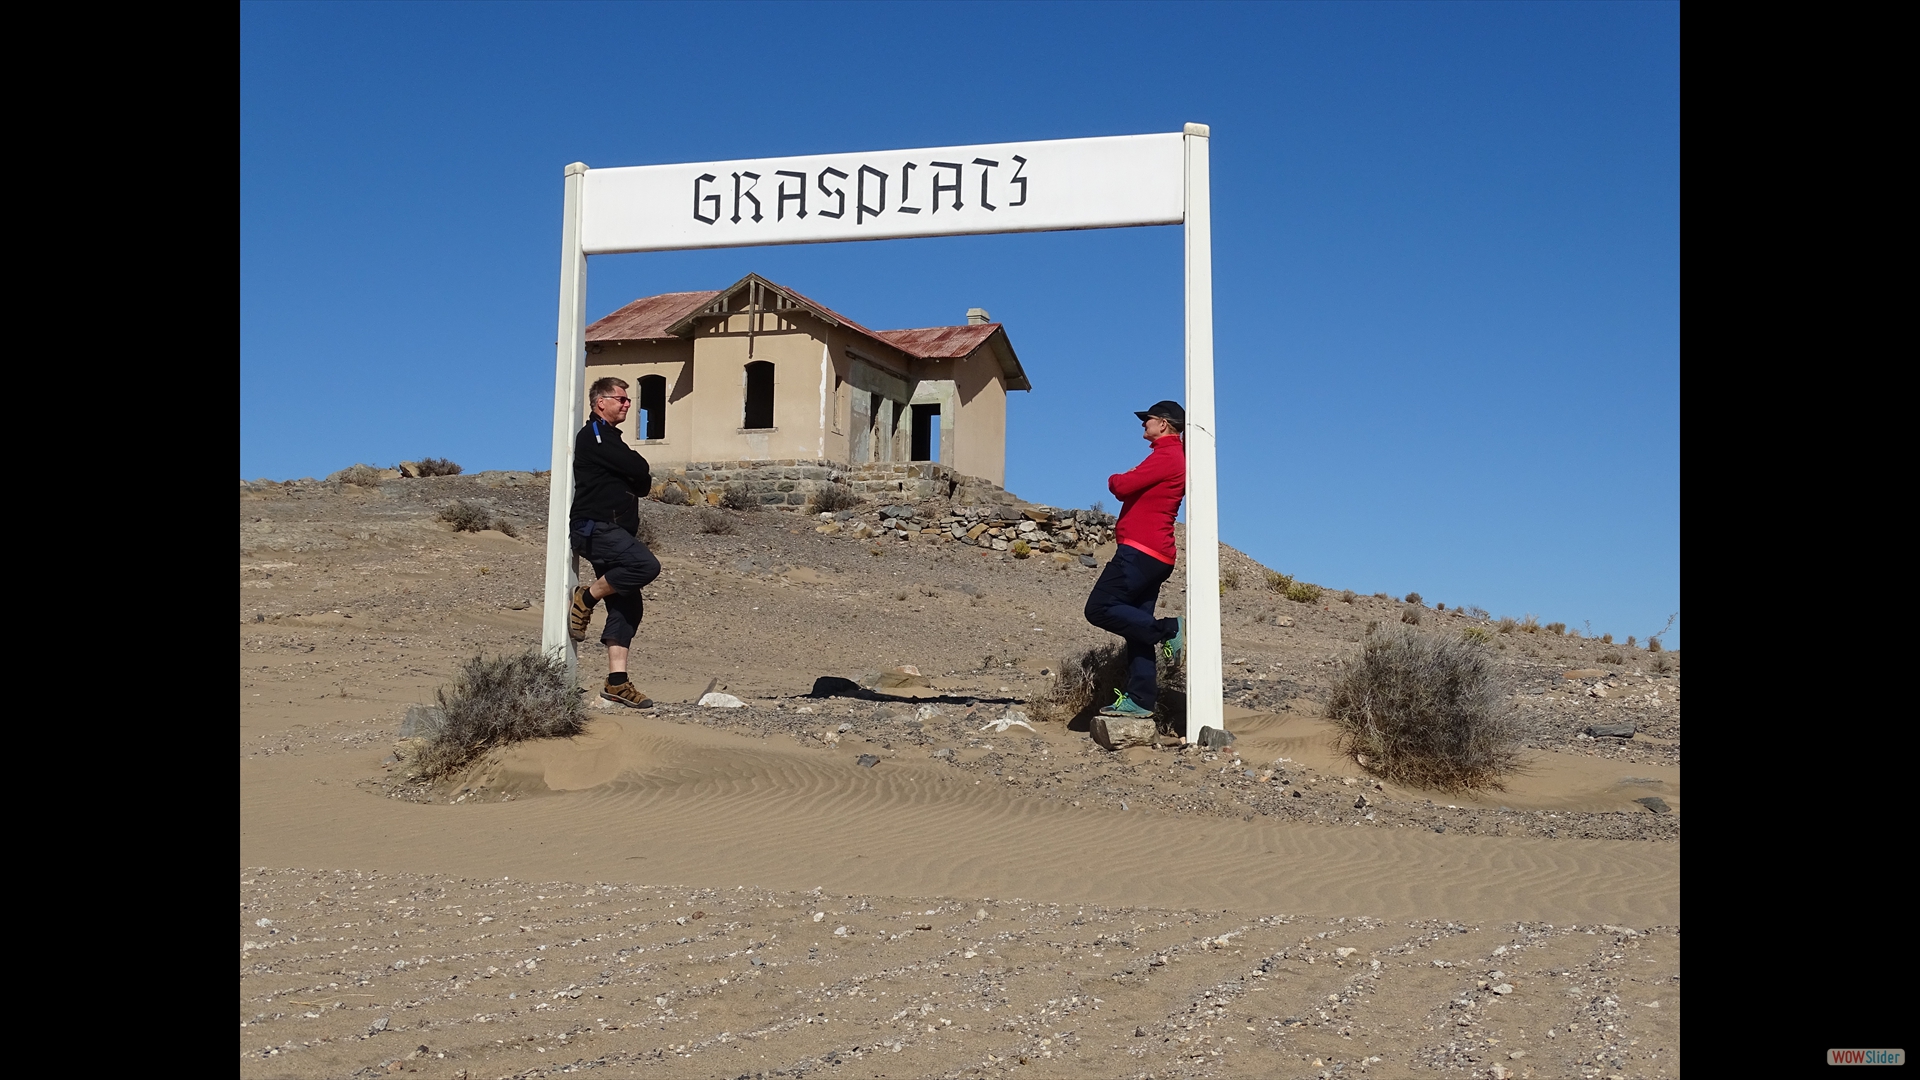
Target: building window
<point>653,402</point>
<point>759,395</point>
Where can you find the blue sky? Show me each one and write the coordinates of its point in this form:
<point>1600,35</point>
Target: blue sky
<point>1446,250</point>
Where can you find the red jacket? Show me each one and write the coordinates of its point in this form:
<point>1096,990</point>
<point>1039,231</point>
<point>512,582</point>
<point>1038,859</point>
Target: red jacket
<point>1150,495</point>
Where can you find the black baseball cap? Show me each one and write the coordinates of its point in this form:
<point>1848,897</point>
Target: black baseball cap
<point>1165,410</point>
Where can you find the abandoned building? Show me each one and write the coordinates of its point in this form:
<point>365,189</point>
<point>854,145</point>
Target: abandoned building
<point>756,377</point>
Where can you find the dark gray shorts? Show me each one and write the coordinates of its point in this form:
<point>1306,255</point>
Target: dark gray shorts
<point>628,566</point>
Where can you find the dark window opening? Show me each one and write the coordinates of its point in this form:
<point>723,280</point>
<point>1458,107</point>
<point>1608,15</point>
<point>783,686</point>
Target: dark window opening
<point>926,433</point>
<point>759,395</point>
<point>653,402</point>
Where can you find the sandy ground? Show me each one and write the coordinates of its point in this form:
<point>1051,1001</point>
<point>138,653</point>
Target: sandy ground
<point>708,893</point>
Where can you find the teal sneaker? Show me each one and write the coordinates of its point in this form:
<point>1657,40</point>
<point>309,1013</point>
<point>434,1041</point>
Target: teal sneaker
<point>1177,644</point>
<point>1123,706</point>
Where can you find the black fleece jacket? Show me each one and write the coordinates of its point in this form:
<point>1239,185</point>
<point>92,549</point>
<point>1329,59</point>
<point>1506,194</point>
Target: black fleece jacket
<point>609,477</point>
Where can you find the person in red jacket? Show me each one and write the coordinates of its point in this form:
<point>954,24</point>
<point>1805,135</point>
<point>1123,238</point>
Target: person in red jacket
<point>1124,598</point>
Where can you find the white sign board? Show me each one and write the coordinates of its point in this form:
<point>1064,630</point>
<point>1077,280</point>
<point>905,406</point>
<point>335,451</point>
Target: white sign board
<point>886,195</point>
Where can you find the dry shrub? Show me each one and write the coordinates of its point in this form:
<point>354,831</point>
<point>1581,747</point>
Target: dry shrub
<point>358,475</point>
<point>1629,641</point>
<point>738,496</point>
<point>673,493</point>
<point>507,527</point>
<point>1303,593</point>
<point>1530,624</point>
<point>1606,639</point>
<point>715,523</point>
<point>1477,633</point>
<point>1346,596</point>
<point>436,466</point>
<point>1413,598</point>
<point>465,516</point>
<point>496,702</point>
<point>1278,581</point>
<point>1507,625</point>
<point>1662,663</point>
<point>1410,614</point>
<point>1556,628</point>
<point>1381,596</point>
<point>1653,644</point>
<point>1612,658</point>
<point>1019,549</point>
<point>834,498</point>
<point>1086,680</point>
<point>1229,579</point>
<point>1426,710</point>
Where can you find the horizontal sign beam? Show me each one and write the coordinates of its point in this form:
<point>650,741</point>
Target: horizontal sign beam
<point>885,195</point>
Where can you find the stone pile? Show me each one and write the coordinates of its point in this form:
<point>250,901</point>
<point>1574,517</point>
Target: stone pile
<point>1042,529</point>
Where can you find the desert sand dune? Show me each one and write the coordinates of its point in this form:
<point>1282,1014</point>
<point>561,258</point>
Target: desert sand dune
<point>642,899</point>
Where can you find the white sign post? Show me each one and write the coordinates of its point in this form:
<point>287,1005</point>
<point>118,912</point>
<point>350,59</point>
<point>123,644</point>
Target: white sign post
<point>1099,183</point>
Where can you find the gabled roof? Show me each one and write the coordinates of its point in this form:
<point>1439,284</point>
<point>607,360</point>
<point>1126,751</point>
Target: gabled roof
<point>675,315</point>
<point>648,318</point>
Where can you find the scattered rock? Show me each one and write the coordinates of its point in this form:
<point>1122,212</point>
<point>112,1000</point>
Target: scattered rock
<point>906,675</point>
<point>1503,989</point>
<point>1654,803</point>
<point>1361,803</point>
<point>866,761</point>
<point>1088,561</point>
<point>1215,738</point>
<point>378,1025</point>
<point>716,700</point>
<point>1610,731</point>
<point>945,753</point>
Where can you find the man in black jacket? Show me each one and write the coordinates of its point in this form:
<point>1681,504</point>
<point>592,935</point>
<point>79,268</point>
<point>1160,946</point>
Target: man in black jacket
<point>609,478</point>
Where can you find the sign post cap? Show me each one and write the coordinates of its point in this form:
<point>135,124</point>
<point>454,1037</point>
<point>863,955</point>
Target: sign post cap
<point>1197,129</point>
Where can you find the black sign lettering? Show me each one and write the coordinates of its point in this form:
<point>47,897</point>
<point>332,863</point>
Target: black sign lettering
<point>780,203</point>
<point>906,189</point>
<point>861,210</point>
<point>983,180</point>
<point>939,187</point>
<point>698,198</point>
<point>707,203</point>
<point>748,193</point>
<point>841,193</point>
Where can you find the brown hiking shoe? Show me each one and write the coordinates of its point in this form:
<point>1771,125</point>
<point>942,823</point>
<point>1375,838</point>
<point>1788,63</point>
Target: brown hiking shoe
<point>579,614</point>
<point>626,694</point>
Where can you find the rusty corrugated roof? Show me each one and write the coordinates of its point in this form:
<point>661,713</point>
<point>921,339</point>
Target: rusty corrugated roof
<point>940,342</point>
<point>647,318</point>
<point>672,315</point>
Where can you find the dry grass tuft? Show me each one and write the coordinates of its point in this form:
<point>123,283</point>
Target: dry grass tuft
<point>715,523</point>
<point>834,498</point>
<point>1530,624</point>
<point>436,466</point>
<point>1019,549</point>
<point>1278,581</point>
<point>465,516</point>
<point>1304,593</point>
<point>496,702</point>
<point>1229,579</point>
<point>1556,628</point>
<point>738,496</point>
<point>1410,614</point>
<point>1346,596</point>
<point>1426,710</point>
<point>1413,598</point>
<point>1085,682</point>
<point>1612,658</point>
<point>358,475</point>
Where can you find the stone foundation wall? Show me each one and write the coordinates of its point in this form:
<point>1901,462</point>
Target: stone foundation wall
<point>791,484</point>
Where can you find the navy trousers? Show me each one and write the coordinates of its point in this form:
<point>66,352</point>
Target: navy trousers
<point>628,566</point>
<point>1122,603</point>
